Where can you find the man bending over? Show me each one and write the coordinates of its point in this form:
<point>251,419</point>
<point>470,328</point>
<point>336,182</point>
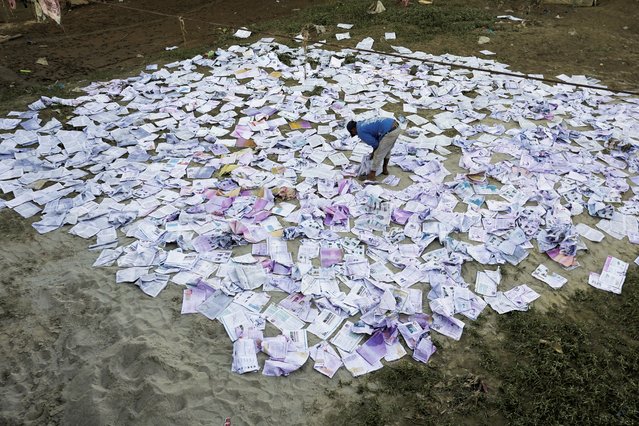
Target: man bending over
<point>379,133</point>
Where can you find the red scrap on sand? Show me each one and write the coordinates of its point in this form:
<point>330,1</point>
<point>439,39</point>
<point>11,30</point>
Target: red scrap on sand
<point>227,422</point>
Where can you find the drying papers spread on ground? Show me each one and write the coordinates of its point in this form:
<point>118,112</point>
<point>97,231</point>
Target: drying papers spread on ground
<point>233,177</point>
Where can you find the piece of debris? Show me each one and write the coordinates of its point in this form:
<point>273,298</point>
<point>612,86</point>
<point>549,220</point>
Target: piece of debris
<point>4,38</point>
<point>366,44</point>
<point>48,8</point>
<point>483,40</point>
<point>510,18</point>
<point>556,346</point>
<point>242,33</point>
<point>43,62</point>
<point>376,8</point>
<point>573,3</point>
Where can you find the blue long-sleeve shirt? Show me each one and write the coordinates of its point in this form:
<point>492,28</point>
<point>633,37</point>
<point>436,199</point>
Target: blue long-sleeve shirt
<point>372,131</point>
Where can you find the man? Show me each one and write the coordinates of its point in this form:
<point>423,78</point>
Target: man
<point>379,133</point>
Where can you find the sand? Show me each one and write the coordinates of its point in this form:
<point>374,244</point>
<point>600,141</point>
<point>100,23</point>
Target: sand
<point>77,348</point>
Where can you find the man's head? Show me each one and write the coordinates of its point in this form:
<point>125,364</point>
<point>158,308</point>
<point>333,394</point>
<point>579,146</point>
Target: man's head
<point>352,128</point>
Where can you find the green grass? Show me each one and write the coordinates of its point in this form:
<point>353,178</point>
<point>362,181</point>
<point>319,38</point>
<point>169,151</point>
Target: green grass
<point>415,21</point>
<point>578,367</point>
<point>575,365</point>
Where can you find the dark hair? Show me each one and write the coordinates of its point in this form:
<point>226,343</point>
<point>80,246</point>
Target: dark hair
<point>351,126</point>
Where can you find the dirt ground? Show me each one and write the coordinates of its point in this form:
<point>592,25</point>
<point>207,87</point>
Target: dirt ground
<point>97,37</point>
<point>601,41</point>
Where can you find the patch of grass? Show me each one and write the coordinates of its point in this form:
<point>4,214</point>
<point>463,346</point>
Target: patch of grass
<point>365,412</point>
<point>286,58</point>
<point>317,90</point>
<point>350,59</point>
<point>412,21</point>
<point>577,366</point>
<point>408,392</point>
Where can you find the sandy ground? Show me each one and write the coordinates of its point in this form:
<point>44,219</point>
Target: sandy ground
<point>76,348</point>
